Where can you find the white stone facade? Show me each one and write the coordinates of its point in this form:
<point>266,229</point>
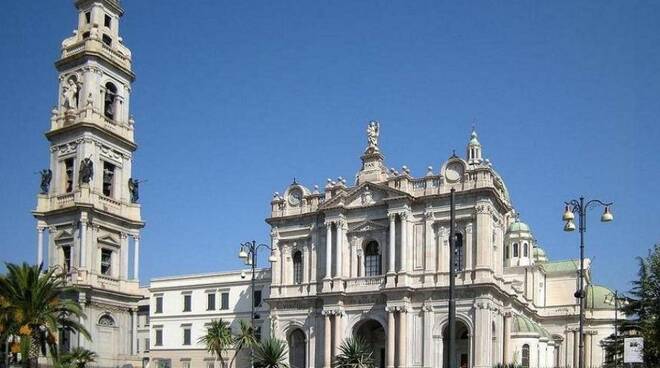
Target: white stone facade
<point>372,260</point>
<point>88,218</point>
<point>191,302</point>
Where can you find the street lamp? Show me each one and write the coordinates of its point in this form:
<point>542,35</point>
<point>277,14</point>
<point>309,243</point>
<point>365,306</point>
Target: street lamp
<point>248,254</point>
<point>580,208</point>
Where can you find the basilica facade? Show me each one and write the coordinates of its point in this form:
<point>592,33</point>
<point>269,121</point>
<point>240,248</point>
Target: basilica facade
<point>372,260</point>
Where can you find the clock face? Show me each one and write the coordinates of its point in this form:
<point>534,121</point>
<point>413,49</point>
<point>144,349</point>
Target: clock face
<point>295,197</point>
<point>454,172</point>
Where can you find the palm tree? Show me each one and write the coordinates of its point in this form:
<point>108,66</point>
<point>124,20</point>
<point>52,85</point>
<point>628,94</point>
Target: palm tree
<point>355,353</point>
<point>79,357</point>
<point>244,339</point>
<point>218,338</point>
<point>270,353</point>
<point>34,308</point>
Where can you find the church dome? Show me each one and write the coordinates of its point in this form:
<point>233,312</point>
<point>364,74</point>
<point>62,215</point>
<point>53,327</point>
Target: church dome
<point>598,297</point>
<point>518,226</point>
<point>522,324</point>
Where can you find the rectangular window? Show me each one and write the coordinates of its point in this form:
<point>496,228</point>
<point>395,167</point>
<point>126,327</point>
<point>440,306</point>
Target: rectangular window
<point>68,175</point>
<point>186,335</point>
<point>210,301</point>
<point>107,40</point>
<point>106,262</point>
<point>138,346</point>
<point>159,304</point>
<point>185,364</point>
<point>257,298</point>
<point>225,301</point>
<point>146,344</point>
<point>159,337</point>
<point>88,17</point>
<point>108,179</point>
<point>187,300</point>
<point>65,341</point>
<point>107,21</point>
<point>66,255</point>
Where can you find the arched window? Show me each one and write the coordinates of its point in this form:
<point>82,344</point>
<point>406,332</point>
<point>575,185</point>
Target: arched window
<point>525,356</point>
<point>459,262</point>
<point>297,267</point>
<point>106,320</point>
<point>525,250</point>
<point>372,259</point>
<point>110,100</point>
<point>506,252</point>
<point>516,252</point>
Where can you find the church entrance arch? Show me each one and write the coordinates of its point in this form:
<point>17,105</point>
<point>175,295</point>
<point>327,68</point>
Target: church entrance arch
<point>462,345</point>
<point>297,349</point>
<point>373,334</point>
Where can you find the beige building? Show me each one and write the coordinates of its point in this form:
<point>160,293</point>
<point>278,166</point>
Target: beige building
<point>372,259</point>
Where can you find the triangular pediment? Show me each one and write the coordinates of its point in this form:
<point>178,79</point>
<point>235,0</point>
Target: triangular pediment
<point>108,239</point>
<point>366,194</point>
<point>64,234</point>
<point>365,226</point>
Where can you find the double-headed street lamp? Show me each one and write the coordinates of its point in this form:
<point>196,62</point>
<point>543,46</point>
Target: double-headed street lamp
<point>248,254</point>
<point>580,208</point>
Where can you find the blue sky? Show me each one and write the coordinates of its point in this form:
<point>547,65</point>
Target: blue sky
<point>235,99</point>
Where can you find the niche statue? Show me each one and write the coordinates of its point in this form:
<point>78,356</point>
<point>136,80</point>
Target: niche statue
<point>86,171</point>
<point>134,188</point>
<point>46,176</point>
<point>70,95</point>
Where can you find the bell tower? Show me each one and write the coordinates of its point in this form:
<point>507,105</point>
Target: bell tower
<point>88,216</point>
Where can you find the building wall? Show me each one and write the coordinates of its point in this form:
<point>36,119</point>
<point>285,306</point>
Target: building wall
<point>173,319</point>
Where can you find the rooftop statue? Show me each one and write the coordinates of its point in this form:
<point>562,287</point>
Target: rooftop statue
<point>373,131</point>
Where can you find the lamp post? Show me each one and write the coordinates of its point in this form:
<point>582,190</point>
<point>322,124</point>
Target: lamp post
<point>248,254</point>
<point>580,207</point>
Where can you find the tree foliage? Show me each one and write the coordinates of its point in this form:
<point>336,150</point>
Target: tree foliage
<point>355,353</point>
<point>244,339</point>
<point>271,353</point>
<point>33,309</point>
<point>642,309</point>
<point>218,338</point>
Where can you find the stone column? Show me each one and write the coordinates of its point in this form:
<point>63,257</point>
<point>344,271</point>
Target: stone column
<point>312,247</point>
<point>392,245</point>
<point>484,242</point>
<point>327,340</point>
<point>391,337</point>
<point>328,250</point>
<point>587,349</point>
<point>403,338</point>
<point>468,242</point>
<point>507,339</point>
<point>40,245</point>
<point>340,246</point>
<point>136,257</point>
<point>124,256</point>
<point>134,340</point>
<point>443,249</point>
<point>339,330</point>
<point>429,240</point>
<point>482,335</point>
<point>404,241</point>
<point>426,341</point>
<point>83,243</point>
<point>576,348</point>
<point>306,264</point>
